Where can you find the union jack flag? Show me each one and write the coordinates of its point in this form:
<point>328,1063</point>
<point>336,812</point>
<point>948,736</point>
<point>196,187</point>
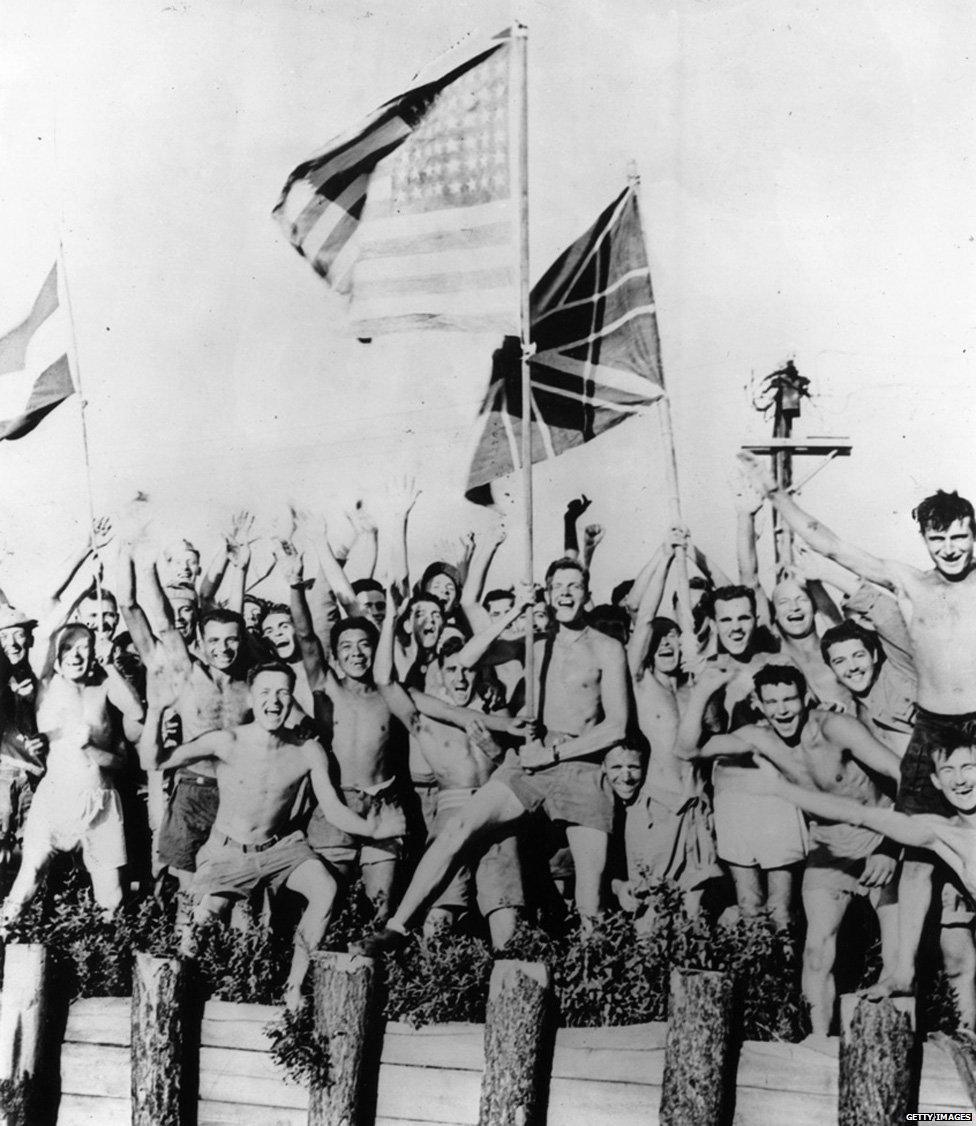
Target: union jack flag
<point>597,358</point>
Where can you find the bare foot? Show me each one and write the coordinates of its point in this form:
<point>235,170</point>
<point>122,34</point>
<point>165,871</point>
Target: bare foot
<point>890,986</point>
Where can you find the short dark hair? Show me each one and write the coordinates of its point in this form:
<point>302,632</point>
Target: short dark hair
<point>450,647</point>
<point>364,586</point>
<point>612,620</point>
<point>849,631</point>
<point>730,594</point>
<point>950,740</point>
<point>620,591</point>
<point>364,625</point>
<point>221,616</point>
<point>660,628</point>
<point>273,608</point>
<point>92,595</point>
<point>497,595</point>
<point>567,563</point>
<point>272,666</point>
<point>772,674</point>
<point>942,509</point>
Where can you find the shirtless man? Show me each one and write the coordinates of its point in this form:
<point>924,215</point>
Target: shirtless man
<point>833,753</point>
<point>278,630</point>
<point>582,680</point>
<point>941,605</point>
<point>76,803</point>
<point>259,768</point>
<point>461,762</point>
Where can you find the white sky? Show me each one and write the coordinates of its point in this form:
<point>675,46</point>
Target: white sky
<point>808,191</point>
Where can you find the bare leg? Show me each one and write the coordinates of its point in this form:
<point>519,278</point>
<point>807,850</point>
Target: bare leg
<point>107,888</point>
<point>887,911</point>
<point>959,960</point>
<point>378,883</point>
<point>24,889</point>
<point>210,907</point>
<point>748,890</point>
<point>494,804</point>
<point>589,849</point>
<point>439,920</point>
<point>914,896</point>
<point>501,926</point>
<point>824,911</point>
<point>779,896</point>
<point>315,884</point>
<point>692,901</point>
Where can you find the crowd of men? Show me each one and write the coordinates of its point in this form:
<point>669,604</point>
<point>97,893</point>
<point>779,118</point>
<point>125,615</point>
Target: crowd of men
<point>282,735</point>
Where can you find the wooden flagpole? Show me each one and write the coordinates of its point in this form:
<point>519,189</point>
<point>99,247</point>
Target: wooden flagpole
<point>667,435</point>
<point>520,36</point>
<point>84,421</point>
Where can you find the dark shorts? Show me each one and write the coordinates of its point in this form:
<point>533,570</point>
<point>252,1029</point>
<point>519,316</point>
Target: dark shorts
<point>571,792</point>
<point>16,794</point>
<point>188,821</point>
<point>916,792</point>
<point>225,869</point>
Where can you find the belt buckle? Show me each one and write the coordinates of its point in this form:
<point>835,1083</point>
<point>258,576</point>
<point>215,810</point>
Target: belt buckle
<point>263,846</point>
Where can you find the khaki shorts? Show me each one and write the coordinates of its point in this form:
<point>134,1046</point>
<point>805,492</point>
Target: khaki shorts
<point>495,859</point>
<point>62,820</point>
<point>225,869</point>
<point>758,830</point>
<point>342,850</point>
<point>568,791</point>
<point>677,845</point>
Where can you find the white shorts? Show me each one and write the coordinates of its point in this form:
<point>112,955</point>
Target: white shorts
<point>61,820</point>
<point>758,830</point>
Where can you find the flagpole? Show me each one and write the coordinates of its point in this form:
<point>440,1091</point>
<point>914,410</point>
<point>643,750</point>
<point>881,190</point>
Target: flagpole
<point>667,434</point>
<point>520,35</point>
<point>84,420</point>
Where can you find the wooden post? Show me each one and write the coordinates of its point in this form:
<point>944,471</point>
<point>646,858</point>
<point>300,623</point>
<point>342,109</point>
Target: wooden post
<point>23,1012</point>
<point>697,1048</point>
<point>876,1066</point>
<point>158,998</point>
<point>515,1030</point>
<point>344,985</point>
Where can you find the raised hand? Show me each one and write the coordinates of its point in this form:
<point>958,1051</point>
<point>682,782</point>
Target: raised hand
<point>361,520</point>
<point>576,507</point>
<point>592,535</point>
<point>289,561</point>
<point>678,538</point>
<point>161,687</point>
<point>238,538</point>
<point>402,496</point>
<point>754,480</point>
<point>102,532</point>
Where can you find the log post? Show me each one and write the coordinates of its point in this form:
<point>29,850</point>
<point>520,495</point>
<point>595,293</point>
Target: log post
<point>344,986</point>
<point>516,1027</point>
<point>697,1048</point>
<point>23,1012</point>
<point>877,1072</point>
<point>158,997</point>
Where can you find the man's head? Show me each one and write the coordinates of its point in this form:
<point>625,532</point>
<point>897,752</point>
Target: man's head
<point>955,772</point>
<point>444,582</point>
<point>353,644</point>
<point>611,620</point>
<point>498,602</point>
<point>853,654</point>
<point>459,679</point>
<point>372,598</point>
<point>624,767</point>
<point>74,652</point>
<point>16,634</point>
<point>947,524</point>
<point>272,687</point>
<point>180,562</point>
<point>278,629</point>
<point>567,589</point>
<point>793,607</point>
<point>664,648</point>
<point>620,591</point>
<point>253,611</point>
<point>221,636</point>
<point>781,695</point>
<point>733,609</point>
<point>100,615</point>
<point>186,608</point>
<point>426,618</point>
<point>125,656</point>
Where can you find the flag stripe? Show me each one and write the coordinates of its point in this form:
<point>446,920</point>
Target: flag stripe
<point>13,346</point>
<point>633,275</point>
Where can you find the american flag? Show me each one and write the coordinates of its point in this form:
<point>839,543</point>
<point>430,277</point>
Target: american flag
<point>413,214</point>
<point>597,358</point>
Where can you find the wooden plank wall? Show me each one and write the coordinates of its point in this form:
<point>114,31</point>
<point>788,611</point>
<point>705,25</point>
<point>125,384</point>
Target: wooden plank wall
<point>433,1075</point>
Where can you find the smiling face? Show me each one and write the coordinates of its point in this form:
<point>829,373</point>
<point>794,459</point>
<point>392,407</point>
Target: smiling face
<point>354,654</point>
<point>735,623</point>
<point>458,681</point>
<point>783,707</point>
<point>667,656</point>
<point>373,603</point>
<point>624,770</point>
<point>279,630</point>
<point>427,621</point>
<point>854,665</point>
<point>252,616</point>
<point>444,589</point>
<point>221,644</point>
<point>100,616</point>
<point>955,776</point>
<point>271,699</point>
<point>181,563</point>
<point>184,617</point>
<point>951,549</point>
<point>793,608</point>
<point>15,643</point>
<point>566,594</point>
<point>75,657</point>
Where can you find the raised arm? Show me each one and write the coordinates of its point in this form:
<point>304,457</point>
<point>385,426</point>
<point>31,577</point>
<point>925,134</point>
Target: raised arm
<point>485,546</point>
<point>820,537</point>
<point>335,576</point>
<point>650,603</point>
<point>574,510</point>
<point>592,538</point>
<point>692,718</point>
<point>122,695</point>
<point>313,658</point>
<point>132,613</point>
<point>239,542</point>
<point>402,497</point>
<point>479,645</point>
<point>213,744</point>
